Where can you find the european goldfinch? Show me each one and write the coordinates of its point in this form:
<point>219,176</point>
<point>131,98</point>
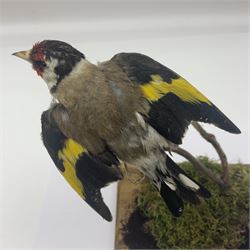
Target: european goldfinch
<point>129,109</point>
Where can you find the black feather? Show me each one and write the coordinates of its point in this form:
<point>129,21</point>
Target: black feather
<point>140,67</point>
<point>172,200</point>
<point>173,189</point>
<point>53,139</point>
<point>187,194</point>
<point>170,115</point>
<point>175,170</point>
<point>90,170</point>
<point>95,200</point>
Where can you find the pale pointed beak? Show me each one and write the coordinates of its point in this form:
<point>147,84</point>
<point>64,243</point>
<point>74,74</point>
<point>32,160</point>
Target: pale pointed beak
<point>24,55</point>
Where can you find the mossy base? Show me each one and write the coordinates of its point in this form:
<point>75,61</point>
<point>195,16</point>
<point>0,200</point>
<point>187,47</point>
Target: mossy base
<point>218,222</point>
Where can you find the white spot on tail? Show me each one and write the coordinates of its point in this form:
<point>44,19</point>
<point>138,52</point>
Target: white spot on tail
<point>188,183</point>
<point>171,185</point>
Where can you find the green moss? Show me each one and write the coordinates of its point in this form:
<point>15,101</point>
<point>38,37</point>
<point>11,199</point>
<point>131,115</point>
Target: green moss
<point>218,222</point>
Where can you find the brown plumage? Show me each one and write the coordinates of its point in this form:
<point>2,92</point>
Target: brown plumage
<point>100,110</point>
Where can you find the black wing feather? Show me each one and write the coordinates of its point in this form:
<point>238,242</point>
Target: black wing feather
<point>170,115</point>
<point>90,171</point>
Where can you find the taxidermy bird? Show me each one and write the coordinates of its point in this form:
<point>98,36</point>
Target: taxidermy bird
<point>129,109</point>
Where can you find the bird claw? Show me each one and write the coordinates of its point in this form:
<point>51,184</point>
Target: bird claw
<point>129,175</point>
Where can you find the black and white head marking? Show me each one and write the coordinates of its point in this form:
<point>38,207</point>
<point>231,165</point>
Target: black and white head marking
<point>53,60</point>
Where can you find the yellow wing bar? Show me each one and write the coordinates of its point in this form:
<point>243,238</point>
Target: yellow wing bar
<point>157,88</point>
<point>69,155</point>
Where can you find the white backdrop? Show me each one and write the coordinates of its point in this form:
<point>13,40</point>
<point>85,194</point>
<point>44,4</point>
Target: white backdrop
<point>204,41</point>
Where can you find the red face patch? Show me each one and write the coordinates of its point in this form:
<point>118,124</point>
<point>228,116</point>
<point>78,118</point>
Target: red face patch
<point>38,57</point>
<point>37,52</point>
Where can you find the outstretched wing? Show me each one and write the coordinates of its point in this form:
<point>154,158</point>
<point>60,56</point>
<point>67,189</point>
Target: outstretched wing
<point>85,174</point>
<point>174,101</point>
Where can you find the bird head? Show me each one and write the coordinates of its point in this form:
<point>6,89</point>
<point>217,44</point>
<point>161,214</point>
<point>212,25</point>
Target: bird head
<point>52,60</point>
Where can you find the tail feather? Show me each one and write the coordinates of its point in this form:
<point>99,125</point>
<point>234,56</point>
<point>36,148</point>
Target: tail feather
<point>187,194</point>
<point>176,185</point>
<point>172,200</point>
<point>177,173</point>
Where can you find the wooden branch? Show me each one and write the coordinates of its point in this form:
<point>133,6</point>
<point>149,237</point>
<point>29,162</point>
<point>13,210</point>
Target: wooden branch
<point>199,165</point>
<point>223,158</point>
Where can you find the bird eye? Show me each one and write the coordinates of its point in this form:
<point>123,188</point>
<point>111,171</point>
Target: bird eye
<point>40,64</point>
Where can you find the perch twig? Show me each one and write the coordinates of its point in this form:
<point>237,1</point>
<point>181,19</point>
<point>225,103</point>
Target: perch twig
<point>199,165</point>
<point>212,139</point>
